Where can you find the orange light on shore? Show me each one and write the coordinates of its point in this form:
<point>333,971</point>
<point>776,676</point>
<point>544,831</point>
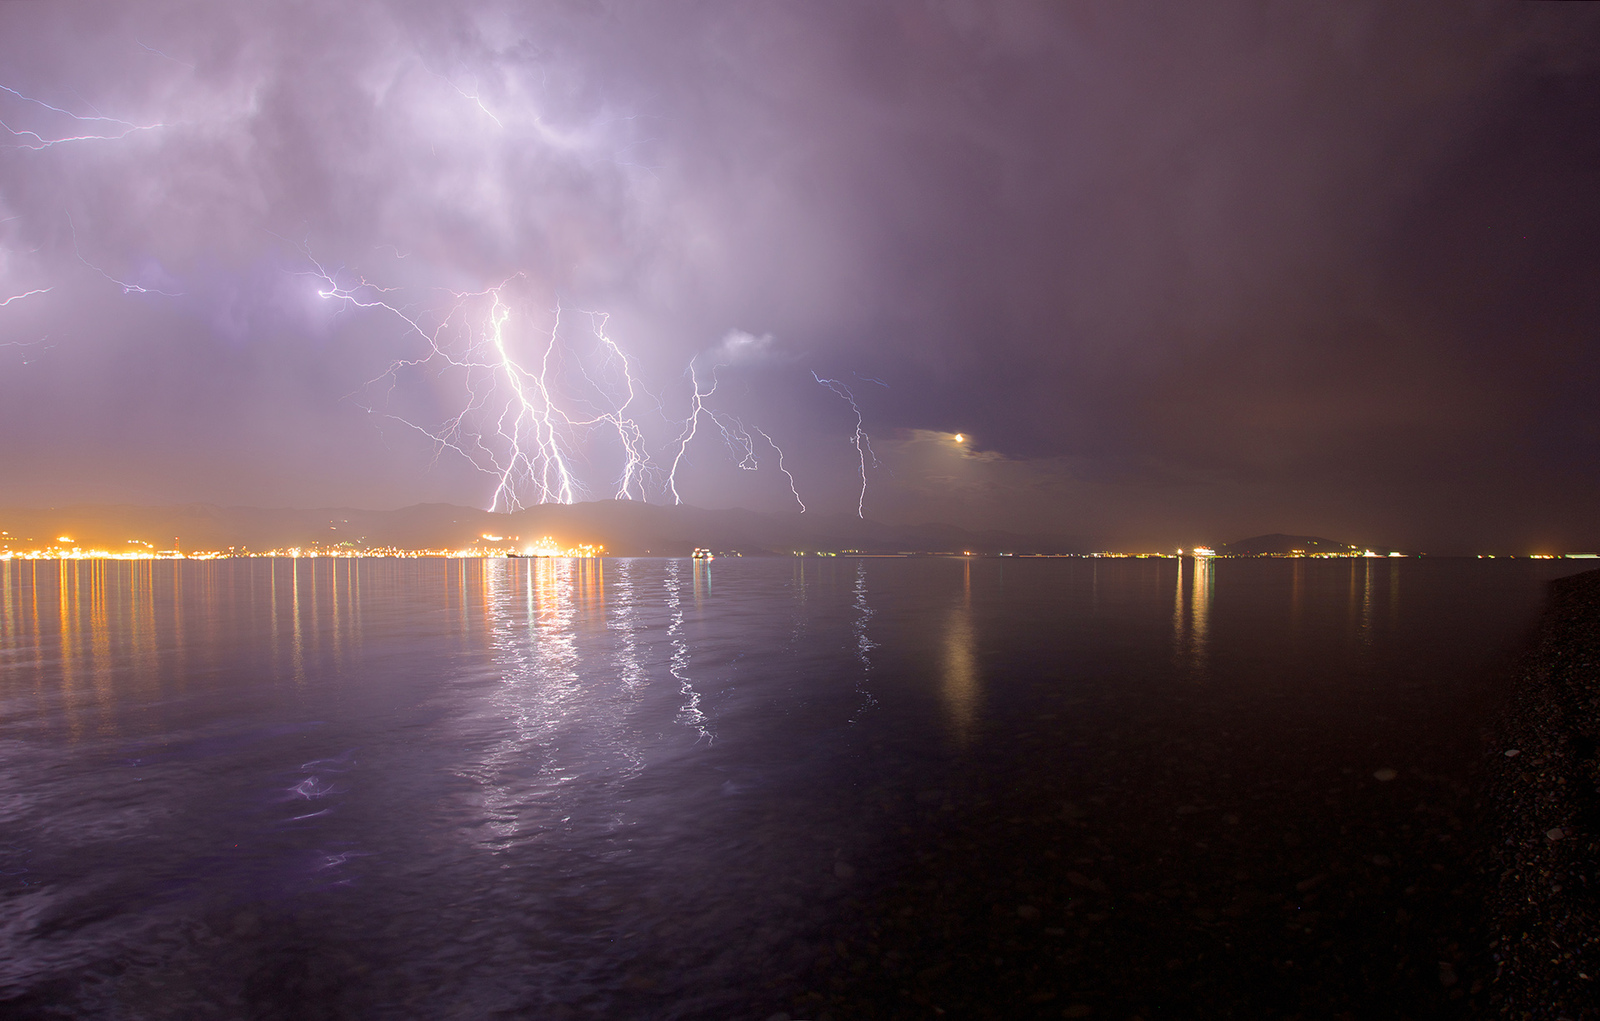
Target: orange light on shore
<point>548,547</point>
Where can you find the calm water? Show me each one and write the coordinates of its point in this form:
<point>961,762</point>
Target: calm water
<point>657,788</point>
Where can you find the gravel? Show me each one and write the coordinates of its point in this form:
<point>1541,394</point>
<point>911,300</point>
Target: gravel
<point>1543,774</point>
<point>1139,883</point>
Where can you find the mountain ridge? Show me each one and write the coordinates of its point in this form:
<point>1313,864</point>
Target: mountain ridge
<point>1279,544</point>
<point>625,528</point>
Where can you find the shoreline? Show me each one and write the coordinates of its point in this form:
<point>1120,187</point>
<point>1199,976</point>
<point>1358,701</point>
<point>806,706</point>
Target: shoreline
<point>1543,884</point>
<point>1468,908</point>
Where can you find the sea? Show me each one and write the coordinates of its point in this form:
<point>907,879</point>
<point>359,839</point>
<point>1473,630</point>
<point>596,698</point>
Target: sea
<point>747,787</point>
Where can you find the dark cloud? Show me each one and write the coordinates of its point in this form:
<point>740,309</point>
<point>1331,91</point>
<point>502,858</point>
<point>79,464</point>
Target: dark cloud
<point>1181,272</point>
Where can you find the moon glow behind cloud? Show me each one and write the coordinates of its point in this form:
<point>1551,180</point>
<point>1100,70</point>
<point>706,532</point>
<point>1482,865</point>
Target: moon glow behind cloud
<point>1245,269</point>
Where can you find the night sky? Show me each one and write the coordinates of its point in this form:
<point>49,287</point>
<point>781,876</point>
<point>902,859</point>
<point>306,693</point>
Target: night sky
<point>1177,272</point>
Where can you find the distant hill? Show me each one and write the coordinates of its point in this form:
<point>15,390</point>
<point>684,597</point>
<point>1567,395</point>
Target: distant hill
<point>625,528</point>
<point>1278,544</point>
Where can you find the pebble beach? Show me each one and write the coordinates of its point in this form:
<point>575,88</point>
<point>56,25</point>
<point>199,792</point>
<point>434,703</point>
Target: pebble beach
<point>1352,890</point>
<point>1541,881</point>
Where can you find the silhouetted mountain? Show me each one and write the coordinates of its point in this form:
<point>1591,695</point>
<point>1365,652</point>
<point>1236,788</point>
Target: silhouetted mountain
<point>624,527</point>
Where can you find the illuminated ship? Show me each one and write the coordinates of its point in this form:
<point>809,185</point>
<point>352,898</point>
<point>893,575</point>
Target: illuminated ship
<point>702,554</point>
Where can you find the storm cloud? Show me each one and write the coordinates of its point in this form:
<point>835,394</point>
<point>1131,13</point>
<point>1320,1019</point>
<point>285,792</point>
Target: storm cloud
<point>1177,272</point>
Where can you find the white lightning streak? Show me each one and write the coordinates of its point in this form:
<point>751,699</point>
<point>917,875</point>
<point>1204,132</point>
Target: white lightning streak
<point>478,101</point>
<point>26,294</point>
<point>697,403</point>
<point>528,418</point>
<point>452,435</point>
<point>549,456</point>
<point>121,129</point>
<point>168,56</point>
<point>737,440</point>
<point>127,288</point>
<point>792,488</point>
<point>629,435</point>
<point>734,435</point>
<point>26,344</point>
<point>538,423</point>
<point>863,443</point>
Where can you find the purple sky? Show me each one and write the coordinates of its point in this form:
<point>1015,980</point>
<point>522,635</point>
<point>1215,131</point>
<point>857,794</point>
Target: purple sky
<point>1180,272</point>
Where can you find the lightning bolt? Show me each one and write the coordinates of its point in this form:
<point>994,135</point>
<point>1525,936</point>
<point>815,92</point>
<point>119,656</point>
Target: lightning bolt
<point>98,128</point>
<point>453,434</point>
<point>734,436</point>
<point>26,344</point>
<point>534,409</point>
<point>548,460</point>
<point>535,425</point>
<point>474,98</point>
<point>697,403</point>
<point>608,403</point>
<point>863,443</point>
<point>115,127</point>
<point>738,441</point>
<point>553,421</point>
<point>127,288</point>
<point>637,465</point>
<point>792,488</point>
<point>168,56</point>
<point>26,294</point>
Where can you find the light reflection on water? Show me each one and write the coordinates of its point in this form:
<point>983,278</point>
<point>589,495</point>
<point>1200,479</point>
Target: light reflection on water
<point>631,786</point>
<point>863,639</point>
<point>1191,630</point>
<point>961,688</point>
<point>688,713</point>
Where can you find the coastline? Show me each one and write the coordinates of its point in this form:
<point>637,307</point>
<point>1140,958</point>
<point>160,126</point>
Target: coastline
<point>1543,884</point>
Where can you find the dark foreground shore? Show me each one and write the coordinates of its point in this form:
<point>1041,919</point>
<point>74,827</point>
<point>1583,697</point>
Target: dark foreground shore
<point>1545,933</point>
<point>1180,871</point>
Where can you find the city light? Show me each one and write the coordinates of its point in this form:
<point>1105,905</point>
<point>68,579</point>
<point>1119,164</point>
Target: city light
<point>14,547</point>
<point>546,547</point>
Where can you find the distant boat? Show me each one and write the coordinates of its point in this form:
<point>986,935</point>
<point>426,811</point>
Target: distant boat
<point>702,554</point>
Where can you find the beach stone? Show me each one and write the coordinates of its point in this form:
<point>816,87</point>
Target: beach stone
<point>1544,919</point>
<point>1384,775</point>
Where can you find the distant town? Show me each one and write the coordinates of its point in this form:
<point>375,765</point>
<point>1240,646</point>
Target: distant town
<point>496,547</point>
<point>598,529</point>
